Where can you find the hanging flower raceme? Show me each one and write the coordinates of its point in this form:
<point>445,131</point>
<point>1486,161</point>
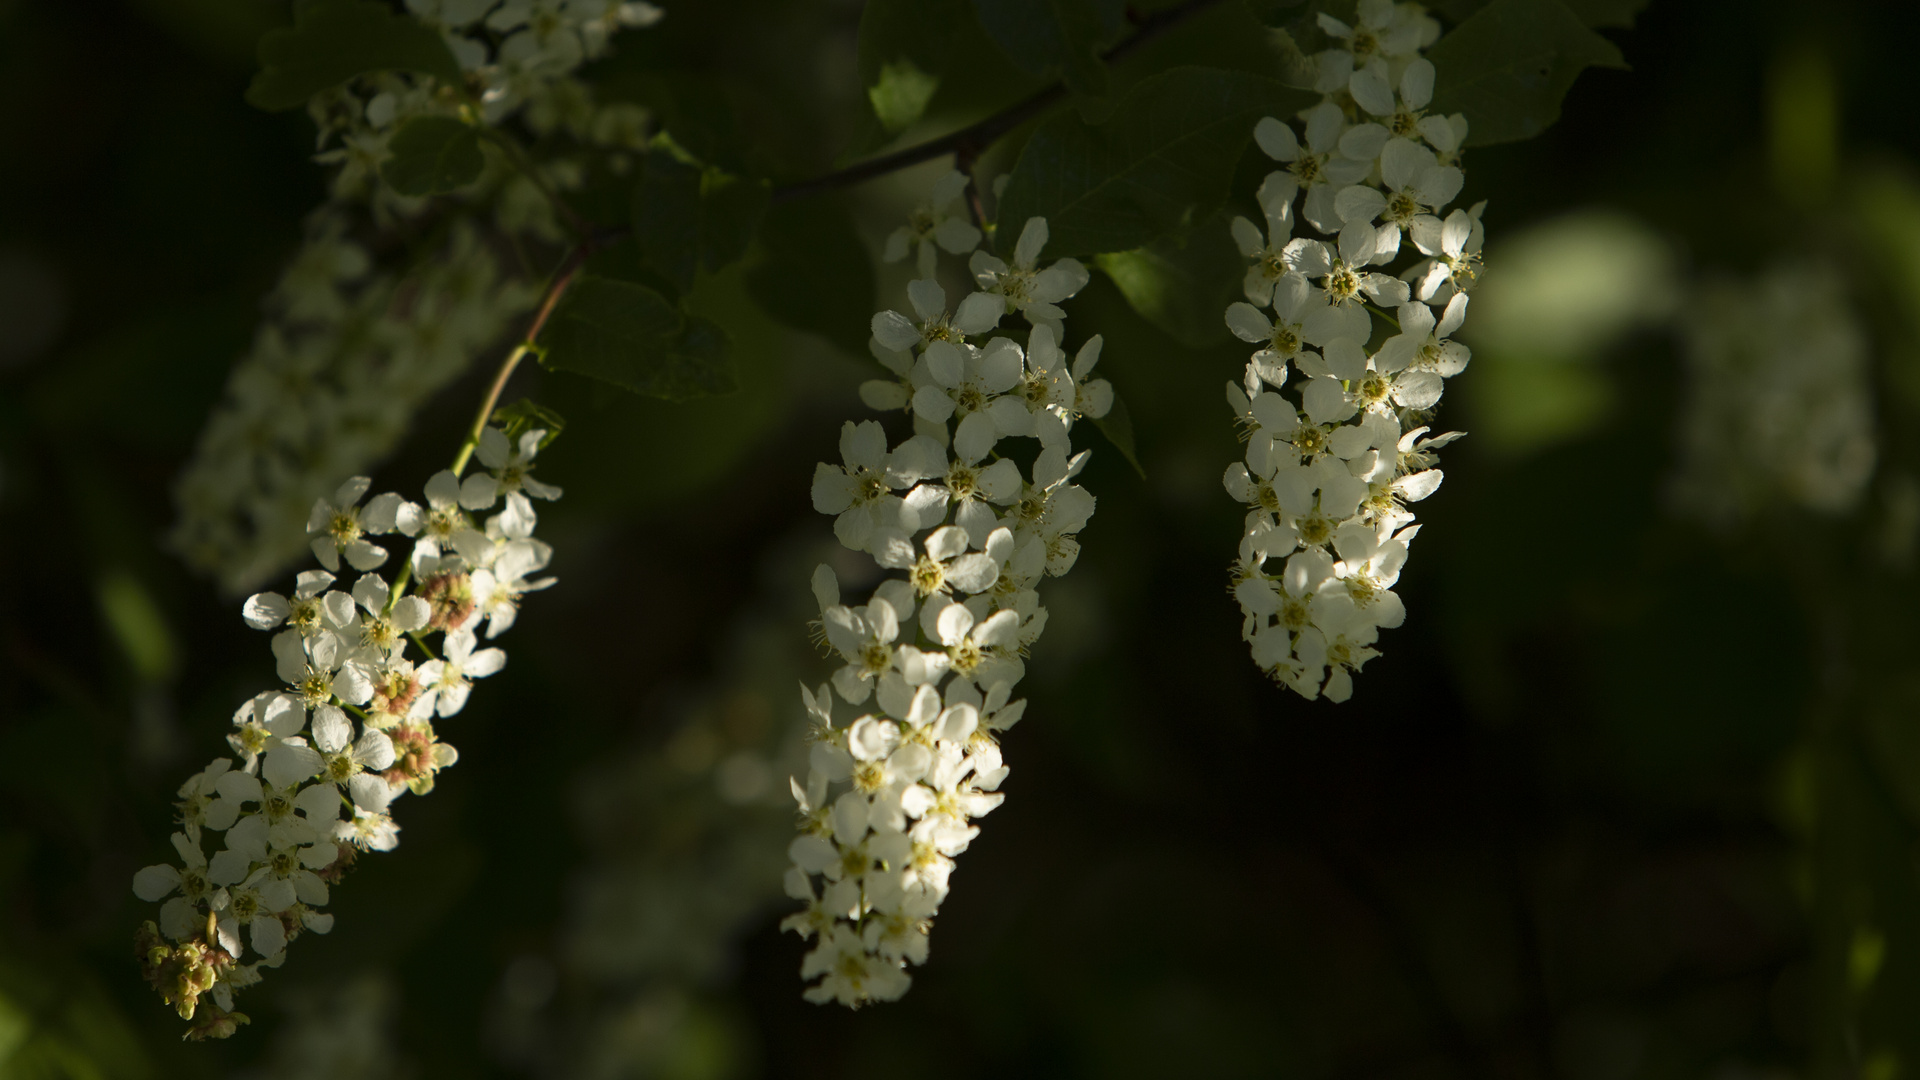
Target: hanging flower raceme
<point>318,762</point>
<point>1337,427</point>
<point>906,752</point>
<point>350,350</point>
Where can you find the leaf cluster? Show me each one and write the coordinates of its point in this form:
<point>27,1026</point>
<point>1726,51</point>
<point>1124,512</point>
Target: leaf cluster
<point>1133,175</point>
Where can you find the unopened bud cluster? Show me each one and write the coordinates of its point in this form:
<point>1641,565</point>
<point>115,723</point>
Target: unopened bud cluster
<point>906,747</point>
<point>317,762</point>
<point>1337,431</point>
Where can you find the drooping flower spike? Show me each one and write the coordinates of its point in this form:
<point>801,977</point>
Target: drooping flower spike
<point>1336,428</point>
<point>306,792</point>
<point>906,754</point>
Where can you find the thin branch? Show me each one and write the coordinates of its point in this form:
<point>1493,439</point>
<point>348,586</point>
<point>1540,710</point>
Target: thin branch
<point>562,277</point>
<point>975,138</point>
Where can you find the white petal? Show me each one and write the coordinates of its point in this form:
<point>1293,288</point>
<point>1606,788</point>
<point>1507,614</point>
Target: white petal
<point>1033,237</point>
<point>265,610</point>
<point>1248,324</point>
<point>1276,140</point>
<point>895,331</point>
<point>155,882</point>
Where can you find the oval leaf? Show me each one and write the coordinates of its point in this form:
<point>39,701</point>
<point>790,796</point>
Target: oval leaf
<point>1508,66</point>
<point>629,335</point>
<point>332,41</point>
<point>1161,161</point>
<point>431,155</point>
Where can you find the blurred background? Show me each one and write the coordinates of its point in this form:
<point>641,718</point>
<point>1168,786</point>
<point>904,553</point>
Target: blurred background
<point>1635,792</point>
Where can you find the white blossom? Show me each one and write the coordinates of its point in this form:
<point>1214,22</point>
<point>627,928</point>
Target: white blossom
<point>303,786</point>
<point>939,224</point>
<point>963,536</point>
<point>1336,438</point>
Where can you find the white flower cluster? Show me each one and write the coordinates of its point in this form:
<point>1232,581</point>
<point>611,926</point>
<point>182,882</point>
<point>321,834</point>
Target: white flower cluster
<point>307,788</point>
<point>1778,405</point>
<point>516,54</point>
<point>330,386</point>
<point>1327,477</point>
<point>349,354</point>
<point>891,792</point>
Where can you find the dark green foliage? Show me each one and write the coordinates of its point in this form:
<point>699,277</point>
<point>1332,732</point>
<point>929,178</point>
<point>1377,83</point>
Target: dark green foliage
<point>433,155</point>
<point>905,49</point>
<point>332,41</point>
<point>1160,162</point>
<point>817,275</point>
<point>1609,13</point>
<point>687,216</point>
<point>1117,426</point>
<point>525,415</point>
<point>630,336</point>
<point>1182,282</point>
<point>1045,36</point>
<point>1618,14</point>
<point>1509,65</point>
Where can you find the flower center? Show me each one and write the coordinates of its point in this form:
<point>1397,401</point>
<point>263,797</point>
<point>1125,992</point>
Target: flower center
<point>344,528</point>
<point>1293,614</point>
<point>1342,283</point>
<point>963,482</point>
<point>1314,529</point>
<point>928,576</point>
<point>1373,388</point>
<point>304,614</point>
<point>316,688</point>
<point>1285,339</point>
<point>967,657</point>
<point>1402,207</point>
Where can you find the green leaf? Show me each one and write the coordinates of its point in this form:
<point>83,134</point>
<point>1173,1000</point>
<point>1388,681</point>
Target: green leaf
<point>527,415</point>
<point>1611,13</point>
<point>332,41</point>
<point>905,49</point>
<point>900,94</point>
<point>666,213</point>
<point>1181,283</point>
<point>431,155</point>
<point>1509,65</point>
<point>1117,426</point>
<point>1278,13</point>
<point>1618,14</point>
<point>818,276</point>
<point>1161,162</point>
<point>1040,36</point>
<point>686,215</point>
<point>632,337</point>
<point>731,208</point>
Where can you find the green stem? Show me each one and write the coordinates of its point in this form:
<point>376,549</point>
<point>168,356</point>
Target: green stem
<point>1383,314</point>
<point>517,157</point>
<point>421,640</point>
<point>970,141</point>
<point>562,277</point>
